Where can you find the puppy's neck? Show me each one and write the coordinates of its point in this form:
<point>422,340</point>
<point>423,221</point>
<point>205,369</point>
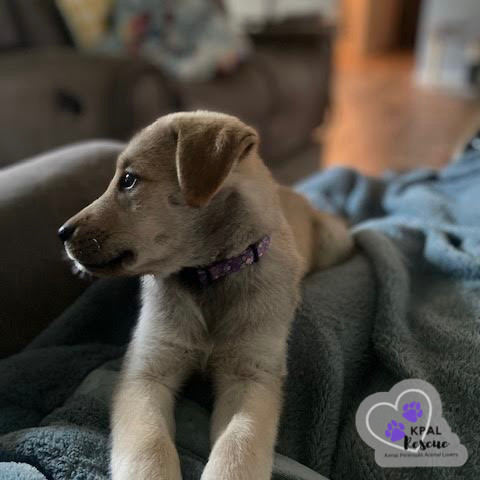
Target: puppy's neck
<point>238,218</point>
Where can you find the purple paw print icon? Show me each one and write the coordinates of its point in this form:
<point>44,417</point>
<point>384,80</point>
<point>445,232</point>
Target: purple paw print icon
<point>412,411</point>
<point>395,431</point>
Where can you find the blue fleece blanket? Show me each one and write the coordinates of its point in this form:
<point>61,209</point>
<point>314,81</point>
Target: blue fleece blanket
<point>406,306</point>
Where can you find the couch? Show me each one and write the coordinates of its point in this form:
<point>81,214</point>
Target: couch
<point>52,94</point>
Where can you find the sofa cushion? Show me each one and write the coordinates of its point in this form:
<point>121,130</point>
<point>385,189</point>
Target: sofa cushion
<point>281,92</point>
<point>245,94</point>
<point>51,97</point>
<point>36,22</point>
<point>300,98</point>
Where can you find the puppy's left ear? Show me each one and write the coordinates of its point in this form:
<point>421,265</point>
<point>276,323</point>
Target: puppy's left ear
<point>207,150</point>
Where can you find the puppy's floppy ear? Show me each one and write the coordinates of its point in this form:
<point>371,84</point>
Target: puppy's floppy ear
<point>207,149</point>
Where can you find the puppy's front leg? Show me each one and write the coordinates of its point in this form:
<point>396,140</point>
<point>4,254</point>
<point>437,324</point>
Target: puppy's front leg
<point>244,427</point>
<point>143,425</point>
<point>143,432</point>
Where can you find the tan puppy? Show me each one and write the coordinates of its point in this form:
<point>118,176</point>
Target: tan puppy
<point>190,190</point>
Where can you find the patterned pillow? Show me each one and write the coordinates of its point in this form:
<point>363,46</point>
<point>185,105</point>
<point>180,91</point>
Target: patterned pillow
<point>189,39</point>
<point>86,20</point>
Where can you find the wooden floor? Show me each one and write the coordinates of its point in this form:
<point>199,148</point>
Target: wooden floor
<point>381,120</point>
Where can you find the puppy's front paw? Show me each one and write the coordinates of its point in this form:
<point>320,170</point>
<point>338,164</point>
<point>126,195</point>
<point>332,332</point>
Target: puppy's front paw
<point>158,462</point>
<point>232,460</point>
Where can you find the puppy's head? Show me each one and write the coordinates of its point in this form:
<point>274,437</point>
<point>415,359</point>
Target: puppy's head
<point>165,197</point>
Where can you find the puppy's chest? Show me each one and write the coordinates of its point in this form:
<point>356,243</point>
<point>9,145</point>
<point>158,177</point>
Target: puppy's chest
<point>219,308</point>
<point>207,322</point>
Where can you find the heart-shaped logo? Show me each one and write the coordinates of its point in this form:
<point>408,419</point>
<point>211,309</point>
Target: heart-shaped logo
<point>417,409</point>
<point>409,418</point>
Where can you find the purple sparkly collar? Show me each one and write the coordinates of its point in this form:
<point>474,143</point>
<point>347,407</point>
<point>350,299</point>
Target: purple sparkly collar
<point>209,273</point>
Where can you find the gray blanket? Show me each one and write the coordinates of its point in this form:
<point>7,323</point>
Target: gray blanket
<point>406,306</point>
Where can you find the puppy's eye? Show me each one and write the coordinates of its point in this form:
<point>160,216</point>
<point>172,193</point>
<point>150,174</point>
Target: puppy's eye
<point>127,181</point>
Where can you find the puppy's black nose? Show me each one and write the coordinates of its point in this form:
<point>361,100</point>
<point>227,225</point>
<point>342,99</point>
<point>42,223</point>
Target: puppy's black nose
<point>65,232</point>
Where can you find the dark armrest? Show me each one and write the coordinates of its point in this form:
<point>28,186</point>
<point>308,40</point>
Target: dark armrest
<point>36,197</point>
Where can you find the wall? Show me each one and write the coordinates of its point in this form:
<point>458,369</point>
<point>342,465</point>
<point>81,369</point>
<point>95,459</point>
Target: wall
<point>436,13</point>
